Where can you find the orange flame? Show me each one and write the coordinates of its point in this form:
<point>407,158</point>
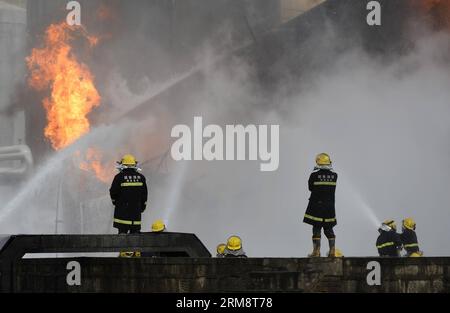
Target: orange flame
<point>72,91</point>
<point>93,163</point>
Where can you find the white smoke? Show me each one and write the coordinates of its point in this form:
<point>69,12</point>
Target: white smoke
<point>386,127</point>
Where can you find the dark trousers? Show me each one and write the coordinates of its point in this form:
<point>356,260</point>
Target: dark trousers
<point>317,232</point>
<point>129,230</point>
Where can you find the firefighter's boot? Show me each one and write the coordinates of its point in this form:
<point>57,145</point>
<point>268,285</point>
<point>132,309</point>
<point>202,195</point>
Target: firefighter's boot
<point>332,252</point>
<point>316,248</point>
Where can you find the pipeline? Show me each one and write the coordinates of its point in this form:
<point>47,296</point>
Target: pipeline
<point>20,153</point>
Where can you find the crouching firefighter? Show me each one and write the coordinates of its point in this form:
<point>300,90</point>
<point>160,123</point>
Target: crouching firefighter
<point>234,248</point>
<point>389,242</point>
<point>129,196</point>
<point>409,238</point>
<point>320,212</point>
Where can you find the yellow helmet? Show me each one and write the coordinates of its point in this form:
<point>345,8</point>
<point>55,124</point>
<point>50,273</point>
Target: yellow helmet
<point>126,254</point>
<point>338,253</point>
<point>391,224</point>
<point>158,226</point>
<point>409,223</point>
<point>234,243</point>
<point>128,159</point>
<point>416,254</point>
<point>323,159</point>
<point>221,248</point>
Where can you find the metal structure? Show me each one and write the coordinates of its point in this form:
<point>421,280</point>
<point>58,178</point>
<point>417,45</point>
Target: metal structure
<point>19,153</point>
<point>15,156</point>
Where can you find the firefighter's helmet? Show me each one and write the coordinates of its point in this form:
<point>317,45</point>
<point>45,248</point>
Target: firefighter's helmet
<point>158,226</point>
<point>128,159</point>
<point>234,243</point>
<point>323,159</point>
<point>391,224</point>
<point>409,223</point>
<point>221,248</point>
<point>130,254</point>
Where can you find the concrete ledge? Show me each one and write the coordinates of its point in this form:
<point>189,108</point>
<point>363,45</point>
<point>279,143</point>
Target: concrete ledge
<point>165,244</point>
<point>232,275</point>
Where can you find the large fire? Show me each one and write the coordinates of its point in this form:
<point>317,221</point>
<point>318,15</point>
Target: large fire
<point>92,161</point>
<point>73,95</point>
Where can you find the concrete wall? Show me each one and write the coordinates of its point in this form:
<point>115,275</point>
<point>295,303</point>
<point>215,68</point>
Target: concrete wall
<point>233,275</point>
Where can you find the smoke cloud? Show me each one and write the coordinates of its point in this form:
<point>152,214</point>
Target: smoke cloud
<point>384,123</point>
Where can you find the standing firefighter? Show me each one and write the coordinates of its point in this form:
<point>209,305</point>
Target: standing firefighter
<point>409,238</point>
<point>389,242</point>
<point>129,196</point>
<point>320,212</point>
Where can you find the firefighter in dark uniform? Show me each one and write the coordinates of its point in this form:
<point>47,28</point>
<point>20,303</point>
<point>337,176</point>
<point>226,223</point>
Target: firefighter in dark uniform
<point>129,196</point>
<point>234,248</point>
<point>220,250</point>
<point>409,238</point>
<point>320,212</point>
<point>389,242</point>
<point>158,227</point>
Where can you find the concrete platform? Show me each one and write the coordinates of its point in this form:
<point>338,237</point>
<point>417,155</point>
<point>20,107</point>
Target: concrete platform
<point>200,272</point>
<point>232,275</point>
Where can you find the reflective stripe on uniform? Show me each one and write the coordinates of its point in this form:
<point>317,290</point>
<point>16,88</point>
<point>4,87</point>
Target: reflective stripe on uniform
<point>319,219</point>
<point>384,245</point>
<point>131,184</point>
<point>411,245</point>
<point>119,221</point>
<point>324,183</point>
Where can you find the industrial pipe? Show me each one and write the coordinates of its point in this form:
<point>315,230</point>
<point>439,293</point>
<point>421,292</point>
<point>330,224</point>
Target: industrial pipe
<point>20,153</point>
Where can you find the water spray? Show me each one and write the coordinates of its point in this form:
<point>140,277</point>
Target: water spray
<point>361,203</point>
<point>173,197</point>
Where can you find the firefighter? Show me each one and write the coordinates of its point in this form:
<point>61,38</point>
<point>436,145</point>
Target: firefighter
<point>409,238</point>
<point>320,212</point>
<point>220,250</point>
<point>234,248</point>
<point>158,226</point>
<point>389,242</point>
<point>129,196</point>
